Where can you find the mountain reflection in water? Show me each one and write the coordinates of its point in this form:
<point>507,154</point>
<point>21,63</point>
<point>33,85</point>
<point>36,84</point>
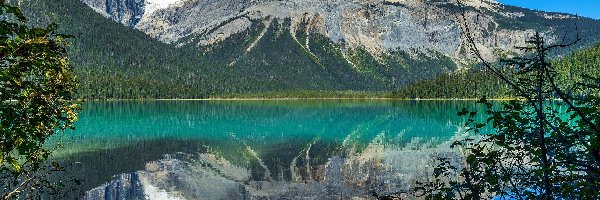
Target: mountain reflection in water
<point>248,149</point>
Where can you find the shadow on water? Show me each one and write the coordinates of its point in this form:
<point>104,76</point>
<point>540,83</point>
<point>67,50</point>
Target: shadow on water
<point>98,167</point>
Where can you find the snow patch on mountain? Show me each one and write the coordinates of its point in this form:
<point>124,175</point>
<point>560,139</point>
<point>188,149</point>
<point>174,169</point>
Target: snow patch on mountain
<point>154,5</point>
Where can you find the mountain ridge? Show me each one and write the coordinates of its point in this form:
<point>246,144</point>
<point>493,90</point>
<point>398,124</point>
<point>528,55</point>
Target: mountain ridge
<point>379,26</point>
<point>271,55</point>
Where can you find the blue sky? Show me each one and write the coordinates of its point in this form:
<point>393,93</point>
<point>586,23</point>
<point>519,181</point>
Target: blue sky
<point>585,8</point>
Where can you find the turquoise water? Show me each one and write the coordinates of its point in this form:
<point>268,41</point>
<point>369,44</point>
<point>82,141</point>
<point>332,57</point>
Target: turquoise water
<point>121,136</point>
<point>123,122</point>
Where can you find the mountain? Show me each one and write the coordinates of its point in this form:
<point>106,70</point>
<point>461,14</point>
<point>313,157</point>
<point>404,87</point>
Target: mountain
<point>204,48</point>
<point>381,27</point>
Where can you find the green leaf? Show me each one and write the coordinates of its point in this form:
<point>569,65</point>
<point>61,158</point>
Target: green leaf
<point>15,164</point>
<point>19,141</point>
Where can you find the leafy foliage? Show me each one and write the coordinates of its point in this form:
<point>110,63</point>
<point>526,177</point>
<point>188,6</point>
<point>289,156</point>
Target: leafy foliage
<point>36,89</point>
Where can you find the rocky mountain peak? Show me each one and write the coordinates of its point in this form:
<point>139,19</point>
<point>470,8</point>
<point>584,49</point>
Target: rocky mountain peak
<point>379,26</point>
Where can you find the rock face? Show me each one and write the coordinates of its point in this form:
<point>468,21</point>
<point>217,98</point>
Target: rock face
<point>354,175</point>
<point>379,26</point>
<point>124,186</point>
<point>170,179</point>
<point>127,12</point>
<point>241,46</point>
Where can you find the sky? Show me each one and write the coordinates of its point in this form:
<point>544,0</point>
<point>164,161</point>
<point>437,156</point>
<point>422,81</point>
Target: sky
<point>584,8</point>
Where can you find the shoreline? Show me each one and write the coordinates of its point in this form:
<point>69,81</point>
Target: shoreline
<point>297,99</point>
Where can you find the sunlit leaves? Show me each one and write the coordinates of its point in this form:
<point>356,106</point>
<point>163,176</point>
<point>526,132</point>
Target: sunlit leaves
<point>36,102</point>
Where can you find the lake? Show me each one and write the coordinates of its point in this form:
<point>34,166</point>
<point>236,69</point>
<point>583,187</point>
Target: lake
<point>262,148</point>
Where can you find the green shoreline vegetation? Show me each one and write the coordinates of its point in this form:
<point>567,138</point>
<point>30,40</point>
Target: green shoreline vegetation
<point>462,85</point>
<point>306,98</point>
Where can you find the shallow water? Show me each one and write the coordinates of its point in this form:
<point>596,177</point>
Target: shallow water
<point>273,140</point>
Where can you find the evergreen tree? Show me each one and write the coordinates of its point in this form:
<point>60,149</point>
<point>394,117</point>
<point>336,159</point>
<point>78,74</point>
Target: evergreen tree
<point>540,149</point>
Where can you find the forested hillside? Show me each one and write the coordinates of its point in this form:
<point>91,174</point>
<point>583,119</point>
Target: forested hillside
<point>579,66</point>
<point>459,85</point>
<point>115,62</point>
<point>112,61</point>
<point>574,67</point>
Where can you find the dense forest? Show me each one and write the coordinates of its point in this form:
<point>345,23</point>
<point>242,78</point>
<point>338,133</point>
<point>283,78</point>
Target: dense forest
<point>469,84</point>
<point>476,83</point>
<point>112,61</point>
